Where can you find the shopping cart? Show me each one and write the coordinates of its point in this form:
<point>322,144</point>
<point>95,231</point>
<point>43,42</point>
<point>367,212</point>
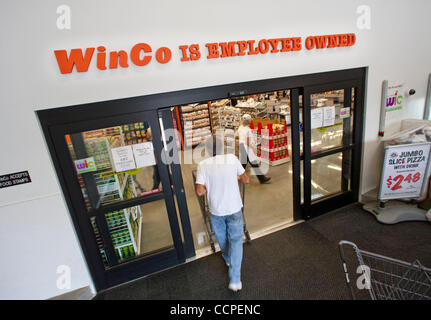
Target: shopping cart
<point>203,204</point>
<point>246,233</point>
<point>385,278</point>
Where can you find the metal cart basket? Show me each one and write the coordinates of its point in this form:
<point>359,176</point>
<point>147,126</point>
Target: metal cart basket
<point>386,278</point>
<point>203,204</point>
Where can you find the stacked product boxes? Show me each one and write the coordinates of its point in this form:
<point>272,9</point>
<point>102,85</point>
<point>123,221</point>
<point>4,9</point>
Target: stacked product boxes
<point>271,143</point>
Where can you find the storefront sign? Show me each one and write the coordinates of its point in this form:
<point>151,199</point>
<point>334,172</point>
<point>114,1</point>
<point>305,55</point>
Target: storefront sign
<point>85,165</point>
<point>14,179</point>
<point>141,54</point>
<point>123,158</point>
<point>404,168</point>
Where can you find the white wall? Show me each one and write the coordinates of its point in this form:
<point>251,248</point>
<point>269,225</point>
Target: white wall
<point>396,48</point>
<point>37,239</point>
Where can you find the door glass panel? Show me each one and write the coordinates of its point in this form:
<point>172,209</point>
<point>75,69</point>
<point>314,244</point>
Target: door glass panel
<point>331,121</point>
<point>330,175</point>
<point>270,150</point>
<point>136,231</point>
<point>114,164</point>
<point>141,230</point>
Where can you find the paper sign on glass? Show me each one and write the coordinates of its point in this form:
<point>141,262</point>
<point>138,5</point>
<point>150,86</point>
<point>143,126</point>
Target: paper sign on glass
<point>316,118</point>
<point>85,165</point>
<point>344,113</point>
<point>144,154</point>
<point>123,158</point>
<point>328,116</point>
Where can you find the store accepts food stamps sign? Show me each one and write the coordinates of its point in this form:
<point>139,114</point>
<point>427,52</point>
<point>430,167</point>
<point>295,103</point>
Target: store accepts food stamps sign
<point>141,54</point>
<point>14,179</point>
<point>404,170</point>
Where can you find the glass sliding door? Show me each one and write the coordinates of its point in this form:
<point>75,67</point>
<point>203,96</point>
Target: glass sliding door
<point>123,194</point>
<point>332,126</point>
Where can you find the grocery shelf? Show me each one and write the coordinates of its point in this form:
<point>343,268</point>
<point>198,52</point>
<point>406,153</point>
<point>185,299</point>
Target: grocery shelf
<point>197,118</point>
<point>193,114</point>
<point>199,127</point>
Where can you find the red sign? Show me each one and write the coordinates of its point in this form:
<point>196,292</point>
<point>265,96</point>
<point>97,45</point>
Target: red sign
<point>142,54</point>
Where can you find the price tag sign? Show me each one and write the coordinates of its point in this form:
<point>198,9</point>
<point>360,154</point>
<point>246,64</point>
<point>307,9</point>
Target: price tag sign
<point>404,170</point>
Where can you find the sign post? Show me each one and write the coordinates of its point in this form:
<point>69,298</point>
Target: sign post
<point>404,174</point>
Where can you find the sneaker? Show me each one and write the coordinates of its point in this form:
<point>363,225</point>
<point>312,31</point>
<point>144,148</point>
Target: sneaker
<point>265,180</point>
<point>235,286</point>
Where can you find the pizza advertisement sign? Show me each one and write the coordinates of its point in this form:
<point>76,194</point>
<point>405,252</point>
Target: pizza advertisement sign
<point>404,171</point>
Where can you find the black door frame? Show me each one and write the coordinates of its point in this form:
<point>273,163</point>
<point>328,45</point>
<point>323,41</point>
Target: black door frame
<point>178,185</point>
<point>52,120</point>
<point>119,273</point>
<point>351,147</point>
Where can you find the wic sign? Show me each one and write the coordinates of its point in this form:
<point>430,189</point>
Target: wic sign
<point>142,54</point>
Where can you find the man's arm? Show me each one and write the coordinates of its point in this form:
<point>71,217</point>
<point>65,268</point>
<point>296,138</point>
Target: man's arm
<point>244,178</point>
<point>200,189</point>
<point>200,181</point>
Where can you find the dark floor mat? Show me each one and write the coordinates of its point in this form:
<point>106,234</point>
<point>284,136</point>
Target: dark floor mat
<point>301,262</point>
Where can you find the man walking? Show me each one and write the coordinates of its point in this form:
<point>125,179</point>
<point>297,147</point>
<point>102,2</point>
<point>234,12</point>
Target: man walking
<point>218,176</point>
<point>246,154</point>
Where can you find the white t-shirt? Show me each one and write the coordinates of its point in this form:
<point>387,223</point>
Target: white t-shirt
<point>219,175</point>
<point>243,133</point>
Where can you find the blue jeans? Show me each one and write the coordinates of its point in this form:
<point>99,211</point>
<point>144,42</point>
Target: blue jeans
<point>229,232</point>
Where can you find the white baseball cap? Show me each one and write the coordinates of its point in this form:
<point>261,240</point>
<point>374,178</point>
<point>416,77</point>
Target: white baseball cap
<point>246,117</point>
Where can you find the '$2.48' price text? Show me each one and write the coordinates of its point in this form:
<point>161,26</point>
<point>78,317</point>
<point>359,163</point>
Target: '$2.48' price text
<point>400,178</point>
